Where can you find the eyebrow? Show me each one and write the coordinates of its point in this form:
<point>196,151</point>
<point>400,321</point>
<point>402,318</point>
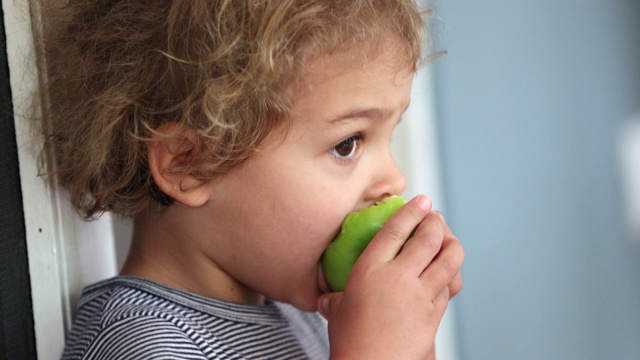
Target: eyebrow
<point>368,113</point>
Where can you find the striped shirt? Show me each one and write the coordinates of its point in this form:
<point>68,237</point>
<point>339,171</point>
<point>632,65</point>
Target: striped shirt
<point>133,318</point>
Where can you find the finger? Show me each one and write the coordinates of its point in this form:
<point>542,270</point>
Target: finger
<point>441,216</point>
<point>394,233</point>
<point>455,286</point>
<point>424,245</point>
<point>441,302</point>
<point>445,267</point>
<point>328,302</point>
<point>443,298</point>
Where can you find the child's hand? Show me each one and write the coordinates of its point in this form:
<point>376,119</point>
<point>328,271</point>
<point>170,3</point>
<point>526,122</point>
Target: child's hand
<point>398,289</point>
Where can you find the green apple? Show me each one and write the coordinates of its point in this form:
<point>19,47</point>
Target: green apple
<point>357,231</point>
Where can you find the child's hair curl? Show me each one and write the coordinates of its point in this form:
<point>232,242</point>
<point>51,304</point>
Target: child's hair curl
<point>118,70</point>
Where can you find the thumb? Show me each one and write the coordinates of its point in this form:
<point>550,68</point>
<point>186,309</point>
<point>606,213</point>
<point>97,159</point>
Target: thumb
<point>329,302</point>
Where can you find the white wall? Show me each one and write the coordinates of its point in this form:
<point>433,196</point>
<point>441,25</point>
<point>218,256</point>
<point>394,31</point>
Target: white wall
<point>64,253</point>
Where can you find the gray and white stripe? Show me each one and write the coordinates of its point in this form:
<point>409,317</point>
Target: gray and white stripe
<point>132,318</point>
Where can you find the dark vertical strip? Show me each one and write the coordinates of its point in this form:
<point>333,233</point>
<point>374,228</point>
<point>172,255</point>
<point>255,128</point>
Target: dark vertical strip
<point>17,339</point>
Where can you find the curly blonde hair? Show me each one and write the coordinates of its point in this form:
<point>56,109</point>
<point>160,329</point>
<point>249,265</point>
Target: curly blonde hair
<point>118,70</point>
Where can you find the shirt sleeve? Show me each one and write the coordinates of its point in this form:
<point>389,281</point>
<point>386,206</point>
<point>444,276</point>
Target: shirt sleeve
<point>141,338</point>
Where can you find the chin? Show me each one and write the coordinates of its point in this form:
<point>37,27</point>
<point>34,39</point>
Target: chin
<point>306,301</point>
<point>306,306</point>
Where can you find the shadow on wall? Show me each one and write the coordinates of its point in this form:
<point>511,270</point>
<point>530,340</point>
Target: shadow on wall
<point>123,229</point>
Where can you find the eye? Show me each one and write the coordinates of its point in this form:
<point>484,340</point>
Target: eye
<point>348,148</point>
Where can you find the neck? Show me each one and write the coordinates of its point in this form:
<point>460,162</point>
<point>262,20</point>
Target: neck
<point>164,250</point>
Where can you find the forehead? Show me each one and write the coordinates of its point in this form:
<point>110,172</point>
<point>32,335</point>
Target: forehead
<point>389,58</point>
<point>339,88</point>
<point>331,83</point>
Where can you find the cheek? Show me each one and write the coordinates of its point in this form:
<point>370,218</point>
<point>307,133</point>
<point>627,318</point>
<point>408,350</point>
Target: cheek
<point>283,232</point>
<point>294,240</point>
<point>307,228</point>
<point>280,258</point>
<point>283,212</point>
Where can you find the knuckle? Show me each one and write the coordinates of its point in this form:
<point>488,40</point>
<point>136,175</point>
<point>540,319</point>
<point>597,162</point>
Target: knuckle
<point>459,253</point>
<point>432,243</point>
<point>451,268</point>
<point>456,285</point>
<point>453,262</point>
<point>432,238</point>
<point>394,234</point>
<point>442,301</point>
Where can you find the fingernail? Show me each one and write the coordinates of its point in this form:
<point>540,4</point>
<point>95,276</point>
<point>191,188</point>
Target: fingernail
<point>424,202</point>
<point>440,215</point>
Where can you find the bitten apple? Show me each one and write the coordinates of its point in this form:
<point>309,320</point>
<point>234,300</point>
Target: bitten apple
<point>357,231</point>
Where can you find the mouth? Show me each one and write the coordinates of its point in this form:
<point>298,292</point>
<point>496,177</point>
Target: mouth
<point>323,285</point>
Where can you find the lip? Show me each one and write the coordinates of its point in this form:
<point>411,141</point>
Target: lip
<point>323,285</point>
<point>371,203</point>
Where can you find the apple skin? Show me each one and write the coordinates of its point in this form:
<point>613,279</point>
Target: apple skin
<point>357,231</point>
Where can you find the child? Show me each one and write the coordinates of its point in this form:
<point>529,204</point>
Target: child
<point>238,134</point>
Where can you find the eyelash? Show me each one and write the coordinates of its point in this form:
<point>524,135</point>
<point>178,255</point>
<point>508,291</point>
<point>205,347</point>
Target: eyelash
<point>356,141</point>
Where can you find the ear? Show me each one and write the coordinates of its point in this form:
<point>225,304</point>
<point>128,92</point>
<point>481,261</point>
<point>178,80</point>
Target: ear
<point>170,154</point>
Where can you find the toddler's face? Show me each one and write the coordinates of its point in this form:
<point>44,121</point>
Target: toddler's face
<point>270,219</point>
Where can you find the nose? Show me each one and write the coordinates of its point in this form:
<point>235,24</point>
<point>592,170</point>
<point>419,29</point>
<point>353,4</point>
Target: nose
<point>387,180</point>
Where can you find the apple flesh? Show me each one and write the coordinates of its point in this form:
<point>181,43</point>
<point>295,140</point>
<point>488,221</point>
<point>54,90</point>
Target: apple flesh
<point>357,231</point>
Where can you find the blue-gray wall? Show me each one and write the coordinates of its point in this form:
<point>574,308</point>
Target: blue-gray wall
<point>530,97</point>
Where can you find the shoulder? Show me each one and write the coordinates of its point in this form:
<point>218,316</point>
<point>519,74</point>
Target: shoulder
<point>117,320</point>
<point>138,337</point>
